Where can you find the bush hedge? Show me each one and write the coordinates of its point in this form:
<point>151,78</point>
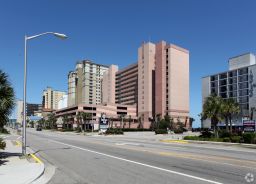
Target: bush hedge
<point>191,138</point>
<point>178,131</point>
<point>161,131</point>
<point>235,139</point>
<point>114,131</point>
<point>135,129</point>
<point>206,134</point>
<point>249,138</point>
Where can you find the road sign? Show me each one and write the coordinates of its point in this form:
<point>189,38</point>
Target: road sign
<point>249,125</point>
<point>103,122</point>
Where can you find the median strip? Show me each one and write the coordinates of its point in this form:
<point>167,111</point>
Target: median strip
<point>175,141</point>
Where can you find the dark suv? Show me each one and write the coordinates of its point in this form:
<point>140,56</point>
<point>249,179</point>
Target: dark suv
<point>38,128</point>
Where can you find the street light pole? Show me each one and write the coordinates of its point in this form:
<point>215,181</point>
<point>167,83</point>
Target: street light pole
<point>24,101</point>
<point>24,123</point>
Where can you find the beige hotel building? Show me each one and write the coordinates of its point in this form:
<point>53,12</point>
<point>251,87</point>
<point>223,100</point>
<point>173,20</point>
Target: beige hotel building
<point>157,84</point>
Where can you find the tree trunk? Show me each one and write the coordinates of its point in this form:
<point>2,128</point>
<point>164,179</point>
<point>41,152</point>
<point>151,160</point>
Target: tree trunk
<point>230,121</point>
<point>214,122</point>
<point>226,120</point>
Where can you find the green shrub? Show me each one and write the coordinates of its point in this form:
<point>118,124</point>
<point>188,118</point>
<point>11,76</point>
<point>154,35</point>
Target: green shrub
<point>114,131</point>
<point>163,124</point>
<point>224,133</point>
<point>249,137</point>
<point>226,139</point>
<point>161,131</point>
<point>235,139</point>
<point>78,129</point>
<point>206,134</point>
<point>135,129</point>
<point>218,139</point>
<point>4,131</point>
<point>178,131</point>
<point>2,144</point>
<point>191,138</point>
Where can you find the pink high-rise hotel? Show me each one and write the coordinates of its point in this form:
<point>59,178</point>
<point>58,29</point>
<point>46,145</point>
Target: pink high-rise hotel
<point>158,83</point>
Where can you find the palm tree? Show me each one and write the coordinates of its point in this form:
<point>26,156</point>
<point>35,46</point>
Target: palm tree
<point>52,120</point>
<point>121,117</point>
<point>86,117</point>
<point>235,109</point>
<point>65,120</point>
<point>110,121</point>
<point>191,120</point>
<point>229,108</point>
<point>225,110</point>
<point>140,122</point>
<point>130,120</point>
<point>6,99</point>
<point>78,120</point>
<point>212,110</point>
<point>157,120</point>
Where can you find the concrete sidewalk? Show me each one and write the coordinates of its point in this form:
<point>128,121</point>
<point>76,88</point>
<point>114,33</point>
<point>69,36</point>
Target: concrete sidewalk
<point>16,169</point>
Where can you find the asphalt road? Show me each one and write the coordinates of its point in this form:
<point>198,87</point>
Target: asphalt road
<point>116,160</point>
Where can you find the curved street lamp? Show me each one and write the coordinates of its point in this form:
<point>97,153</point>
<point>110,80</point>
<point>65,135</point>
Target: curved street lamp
<point>59,35</point>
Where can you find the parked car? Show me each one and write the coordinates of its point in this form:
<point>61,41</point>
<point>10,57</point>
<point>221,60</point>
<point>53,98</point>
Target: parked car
<point>38,128</point>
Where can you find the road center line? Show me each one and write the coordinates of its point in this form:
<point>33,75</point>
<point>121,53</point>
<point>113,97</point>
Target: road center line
<point>139,163</point>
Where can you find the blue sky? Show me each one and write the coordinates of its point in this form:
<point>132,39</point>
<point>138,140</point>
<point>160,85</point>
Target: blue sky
<point>109,32</point>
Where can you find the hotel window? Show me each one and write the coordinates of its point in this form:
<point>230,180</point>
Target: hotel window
<point>233,94</point>
<point>243,78</point>
<point>232,87</point>
<point>223,76</point>
<point>244,99</point>
<point>243,71</point>
<point>243,85</point>
<point>223,82</point>
<point>213,78</point>
<point>223,95</point>
<point>243,92</point>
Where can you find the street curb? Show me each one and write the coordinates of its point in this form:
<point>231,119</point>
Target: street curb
<point>253,146</point>
<point>35,158</point>
<point>38,161</point>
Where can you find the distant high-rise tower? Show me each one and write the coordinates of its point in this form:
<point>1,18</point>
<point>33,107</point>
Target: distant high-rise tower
<point>51,98</point>
<point>85,83</point>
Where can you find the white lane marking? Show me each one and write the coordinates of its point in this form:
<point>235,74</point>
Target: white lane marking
<point>139,163</point>
<point>19,137</point>
<point>127,143</point>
